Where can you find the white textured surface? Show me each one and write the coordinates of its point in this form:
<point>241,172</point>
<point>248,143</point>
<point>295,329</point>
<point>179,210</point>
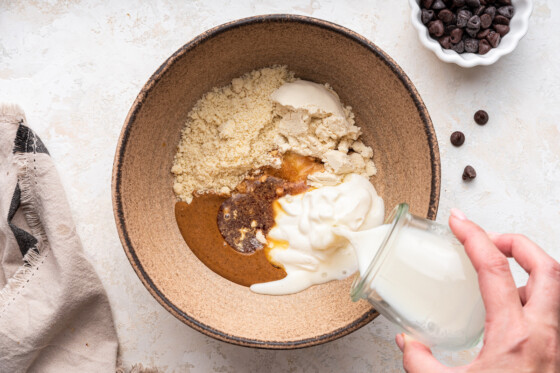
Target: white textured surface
<point>76,67</point>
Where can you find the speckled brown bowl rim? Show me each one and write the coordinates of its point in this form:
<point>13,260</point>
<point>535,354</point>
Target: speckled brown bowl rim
<point>123,140</point>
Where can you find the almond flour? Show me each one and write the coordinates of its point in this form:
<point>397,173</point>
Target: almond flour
<point>236,129</point>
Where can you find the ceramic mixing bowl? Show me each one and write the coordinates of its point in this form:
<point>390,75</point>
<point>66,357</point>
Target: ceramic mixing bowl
<point>388,109</point>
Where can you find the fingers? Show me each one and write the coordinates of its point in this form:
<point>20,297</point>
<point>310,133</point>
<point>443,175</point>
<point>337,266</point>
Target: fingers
<point>526,252</point>
<point>499,293</point>
<point>522,294</point>
<point>418,358</point>
<point>544,290</point>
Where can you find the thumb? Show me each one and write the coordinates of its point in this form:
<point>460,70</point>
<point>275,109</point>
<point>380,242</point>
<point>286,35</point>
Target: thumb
<point>418,358</point>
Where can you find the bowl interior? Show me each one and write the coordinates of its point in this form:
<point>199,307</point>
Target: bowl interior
<point>387,108</point>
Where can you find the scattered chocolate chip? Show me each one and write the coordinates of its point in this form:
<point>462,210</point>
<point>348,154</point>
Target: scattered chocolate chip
<point>491,11</point>
<point>506,11</point>
<point>504,2</point>
<point>427,15</point>
<point>427,4</point>
<point>501,20</point>
<point>459,47</point>
<point>457,138</point>
<point>481,117</point>
<point>483,34</point>
<point>445,15</point>
<point>438,4</point>
<point>485,21</point>
<point>473,3</point>
<point>484,46</point>
<point>458,3</point>
<point>469,173</point>
<point>471,45</point>
<point>456,35</point>
<point>436,28</point>
<point>501,29</point>
<point>463,17</point>
<point>445,41</point>
<point>493,38</point>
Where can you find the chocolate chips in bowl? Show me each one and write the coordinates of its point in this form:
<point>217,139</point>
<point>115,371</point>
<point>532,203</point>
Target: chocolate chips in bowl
<point>467,26</point>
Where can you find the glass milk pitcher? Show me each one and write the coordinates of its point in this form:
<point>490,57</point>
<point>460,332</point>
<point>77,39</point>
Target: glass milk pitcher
<point>422,280</point>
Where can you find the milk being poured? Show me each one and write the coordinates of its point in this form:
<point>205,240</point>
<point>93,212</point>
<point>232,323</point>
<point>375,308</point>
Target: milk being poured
<point>425,283</point>
<point>422,279</point>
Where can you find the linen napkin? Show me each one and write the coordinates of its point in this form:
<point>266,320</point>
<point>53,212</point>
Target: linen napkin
<point>54,312</point>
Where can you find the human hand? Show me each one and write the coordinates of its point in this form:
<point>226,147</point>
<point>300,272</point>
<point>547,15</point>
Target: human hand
<point>522,329</point>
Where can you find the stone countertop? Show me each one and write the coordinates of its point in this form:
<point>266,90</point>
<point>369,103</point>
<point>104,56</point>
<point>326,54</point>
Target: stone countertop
<point>75,67</point>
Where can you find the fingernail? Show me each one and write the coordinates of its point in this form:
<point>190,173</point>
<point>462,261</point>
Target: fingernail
<point>400,341</point>
<point>458,214</point>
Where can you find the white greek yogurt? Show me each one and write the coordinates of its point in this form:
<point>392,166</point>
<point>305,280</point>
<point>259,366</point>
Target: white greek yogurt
<point>304,242</point>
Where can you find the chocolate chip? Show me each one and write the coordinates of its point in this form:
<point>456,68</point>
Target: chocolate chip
<point>459,47</point>
<point>501,20</point>
<point>483,34</point>
<point>436,28</point>
<point>448,29</point>
<point>484,46</point>
<point>472,32</point>
<point>485,21</point>
<point>438,4</point>
<point>456,35</point>
<point>501,29</point>
<point>467,25</point>
<point>427,4</point>
<point>481,117</point>
<point>506,11</point>
<point>471,45</point>
<point>474,23</point>
<point>445,41</point>
<point>493,38</point>
<point>427,15</point>
<point>491,11</point>
<point>463,17</point>
<point>445,15</point>
<point>473,3</point>
<point>457,138</point>
<point>469,173</point>
<point>479,11</point>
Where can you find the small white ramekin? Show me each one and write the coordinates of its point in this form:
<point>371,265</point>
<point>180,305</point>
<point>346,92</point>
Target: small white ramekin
<point>518,28</point>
